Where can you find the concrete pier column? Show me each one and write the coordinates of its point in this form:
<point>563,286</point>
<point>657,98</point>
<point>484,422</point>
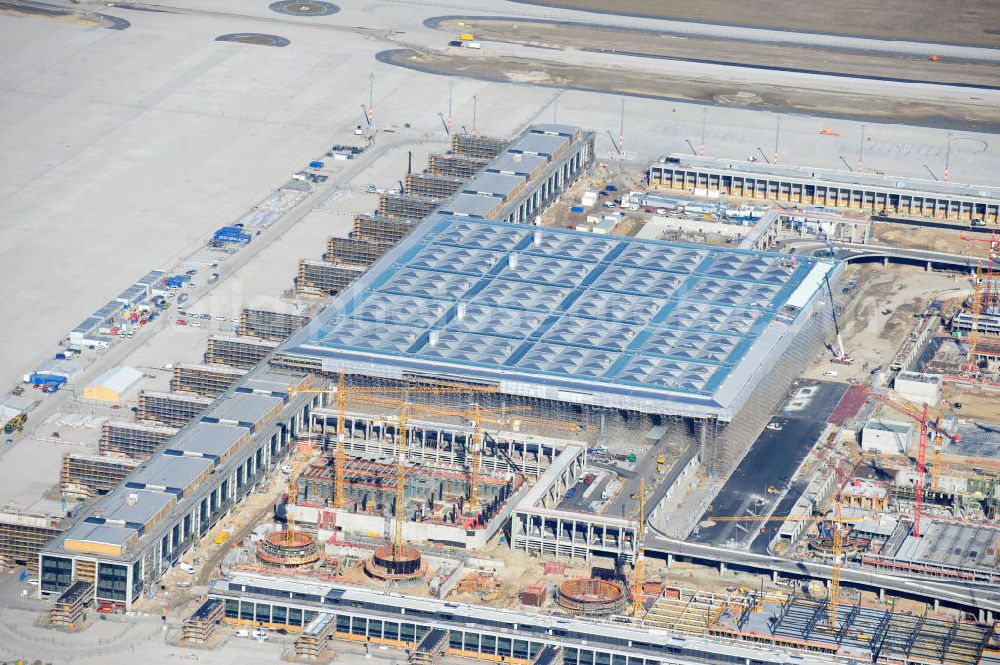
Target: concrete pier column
<point>885,261</point>
<point>937,605</point>
<point>881,595</point>
<point>722,568</point>
<point>982,616</point>
<point>670,561</point>
<point>774,577</point>
<point>928,266</point>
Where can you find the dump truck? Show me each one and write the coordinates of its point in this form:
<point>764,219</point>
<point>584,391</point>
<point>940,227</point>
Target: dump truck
<point>15,423</point>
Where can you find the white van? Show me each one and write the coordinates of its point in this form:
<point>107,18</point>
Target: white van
<point>187,568</point>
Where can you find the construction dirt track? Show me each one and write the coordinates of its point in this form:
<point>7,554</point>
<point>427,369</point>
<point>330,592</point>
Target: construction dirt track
<point>972,22</point>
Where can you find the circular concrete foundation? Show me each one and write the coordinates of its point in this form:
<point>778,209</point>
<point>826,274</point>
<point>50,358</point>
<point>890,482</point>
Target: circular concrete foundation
<point>405,564</point>
<point>591,597</point>
<point>288,549</point>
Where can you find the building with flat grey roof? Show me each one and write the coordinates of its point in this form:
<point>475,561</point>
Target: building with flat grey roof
<point>576,325</point>
<point>130,537</point>
<point>880,194</point>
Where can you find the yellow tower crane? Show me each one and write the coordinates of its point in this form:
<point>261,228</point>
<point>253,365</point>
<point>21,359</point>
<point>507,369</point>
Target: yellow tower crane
<point>971,364</point>
<point>639,579</point>
<point>342,393</point>
<point>478,416</point>
<point>833,597</point>
<point>406,410</point>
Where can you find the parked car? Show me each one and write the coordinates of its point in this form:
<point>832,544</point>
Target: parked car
<point>196,324</point>
<point>207,317</point>
<point>187,568</point>
<point>181,322</point>
<point>774,426</point>
<point>220,317</point>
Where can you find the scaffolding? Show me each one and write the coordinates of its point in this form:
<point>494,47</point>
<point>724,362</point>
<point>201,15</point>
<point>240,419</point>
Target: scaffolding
<point>456,166</point>
<point>355,252</point>
<point>244,352</point>
<point>320,278</point>
<point>204,380</point>
<point>174,409</point>
<point>381,229</point>
<point>69,606</point>
<point>135,440</point>
<point>270,325</point>
<point>432,493</point>
<point>437,186</point>
<point>22,537</point>
<point>478,147</point>
<point>88,475</point>
<point>316,636</point>
<point>407,206</point>
<point>201,626</point>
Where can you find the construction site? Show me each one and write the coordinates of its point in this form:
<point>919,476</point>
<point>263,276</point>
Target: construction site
<point>622,439</point>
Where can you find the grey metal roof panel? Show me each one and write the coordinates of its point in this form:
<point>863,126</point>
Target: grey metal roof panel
<point>108,534</point>
<point>472,205</point>
<point>243,407</point>
<point>138,506</point>
<point>517,163</point>
<point>133,292</point>
<point>533,143</point>
<point>551,128</point>
<point>271,381</point>
<point>151,278</point>
<point>494,184</point>
<point>810,173</point>
<point>208,439</point>
<point>89,325</point>
<point>170,471</point>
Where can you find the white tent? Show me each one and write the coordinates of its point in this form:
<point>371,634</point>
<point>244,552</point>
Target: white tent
<point>113,384</point>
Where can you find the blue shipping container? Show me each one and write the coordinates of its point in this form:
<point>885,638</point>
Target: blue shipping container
<point>232,234</point>
<point>315,165</point>
<point>45,379</point>
<point>576,209</point>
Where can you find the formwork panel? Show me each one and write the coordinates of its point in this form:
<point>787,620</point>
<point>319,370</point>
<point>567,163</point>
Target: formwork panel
<point>355,252</point>
<point>322,278</point>
<point>243,352</point>
<point>135,440</point>
<point>381,229</point>
<point>456,166</point>
<point>437,186</point>
<point>172,409</point>
<point>88,475</point>
<point>270,325</point>
<point>22,538</point>
<point>406,206</point>
<point>205,380</point>
<point>478,147</point>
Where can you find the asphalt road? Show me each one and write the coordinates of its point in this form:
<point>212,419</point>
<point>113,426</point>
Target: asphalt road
<point>771,463</point>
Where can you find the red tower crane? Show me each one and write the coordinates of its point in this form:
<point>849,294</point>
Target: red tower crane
<point>922,417</point>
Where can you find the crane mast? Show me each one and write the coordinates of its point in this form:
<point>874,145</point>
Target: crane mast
<point>475,459</point>
<point>338,487</point>
<point>638,580</point>
<point>400,512</point>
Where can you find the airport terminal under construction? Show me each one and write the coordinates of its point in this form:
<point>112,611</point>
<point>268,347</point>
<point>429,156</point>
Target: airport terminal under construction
<point>498,438</point>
